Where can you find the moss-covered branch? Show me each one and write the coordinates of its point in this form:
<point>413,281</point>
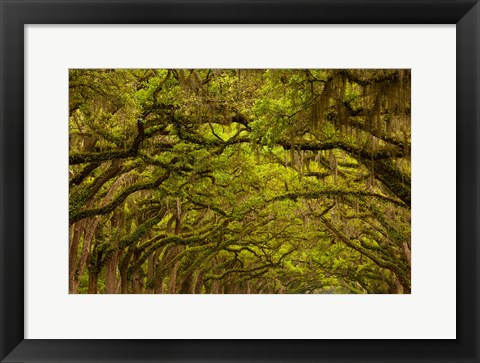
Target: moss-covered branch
<point>402,275</point>
<point>335,192</point>
<point>393,152</point>
<point>75,216</point>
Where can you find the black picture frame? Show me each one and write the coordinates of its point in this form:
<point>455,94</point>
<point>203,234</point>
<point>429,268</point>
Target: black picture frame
<point>17,13</point>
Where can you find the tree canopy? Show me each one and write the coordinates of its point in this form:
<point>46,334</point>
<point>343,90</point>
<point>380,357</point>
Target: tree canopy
<point>239,181</point>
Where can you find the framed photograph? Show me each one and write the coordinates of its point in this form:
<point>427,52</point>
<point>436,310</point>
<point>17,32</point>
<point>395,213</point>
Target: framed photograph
<point>239,181</point>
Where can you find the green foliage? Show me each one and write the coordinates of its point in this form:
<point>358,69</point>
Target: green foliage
<point>240,181</point>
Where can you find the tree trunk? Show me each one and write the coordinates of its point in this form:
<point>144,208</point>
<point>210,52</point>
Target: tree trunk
<point>124,272</point>
<point>199,283</point>
<point>92,282</point>
<point>111,280</point>
<point>136,282</point>
<point>149,286</point>
<point>72,258</point>
<point>172,288</point>
<point>158,289</point>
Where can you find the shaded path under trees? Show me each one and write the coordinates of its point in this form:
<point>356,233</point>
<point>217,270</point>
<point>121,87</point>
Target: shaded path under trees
<point>239,181</point>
